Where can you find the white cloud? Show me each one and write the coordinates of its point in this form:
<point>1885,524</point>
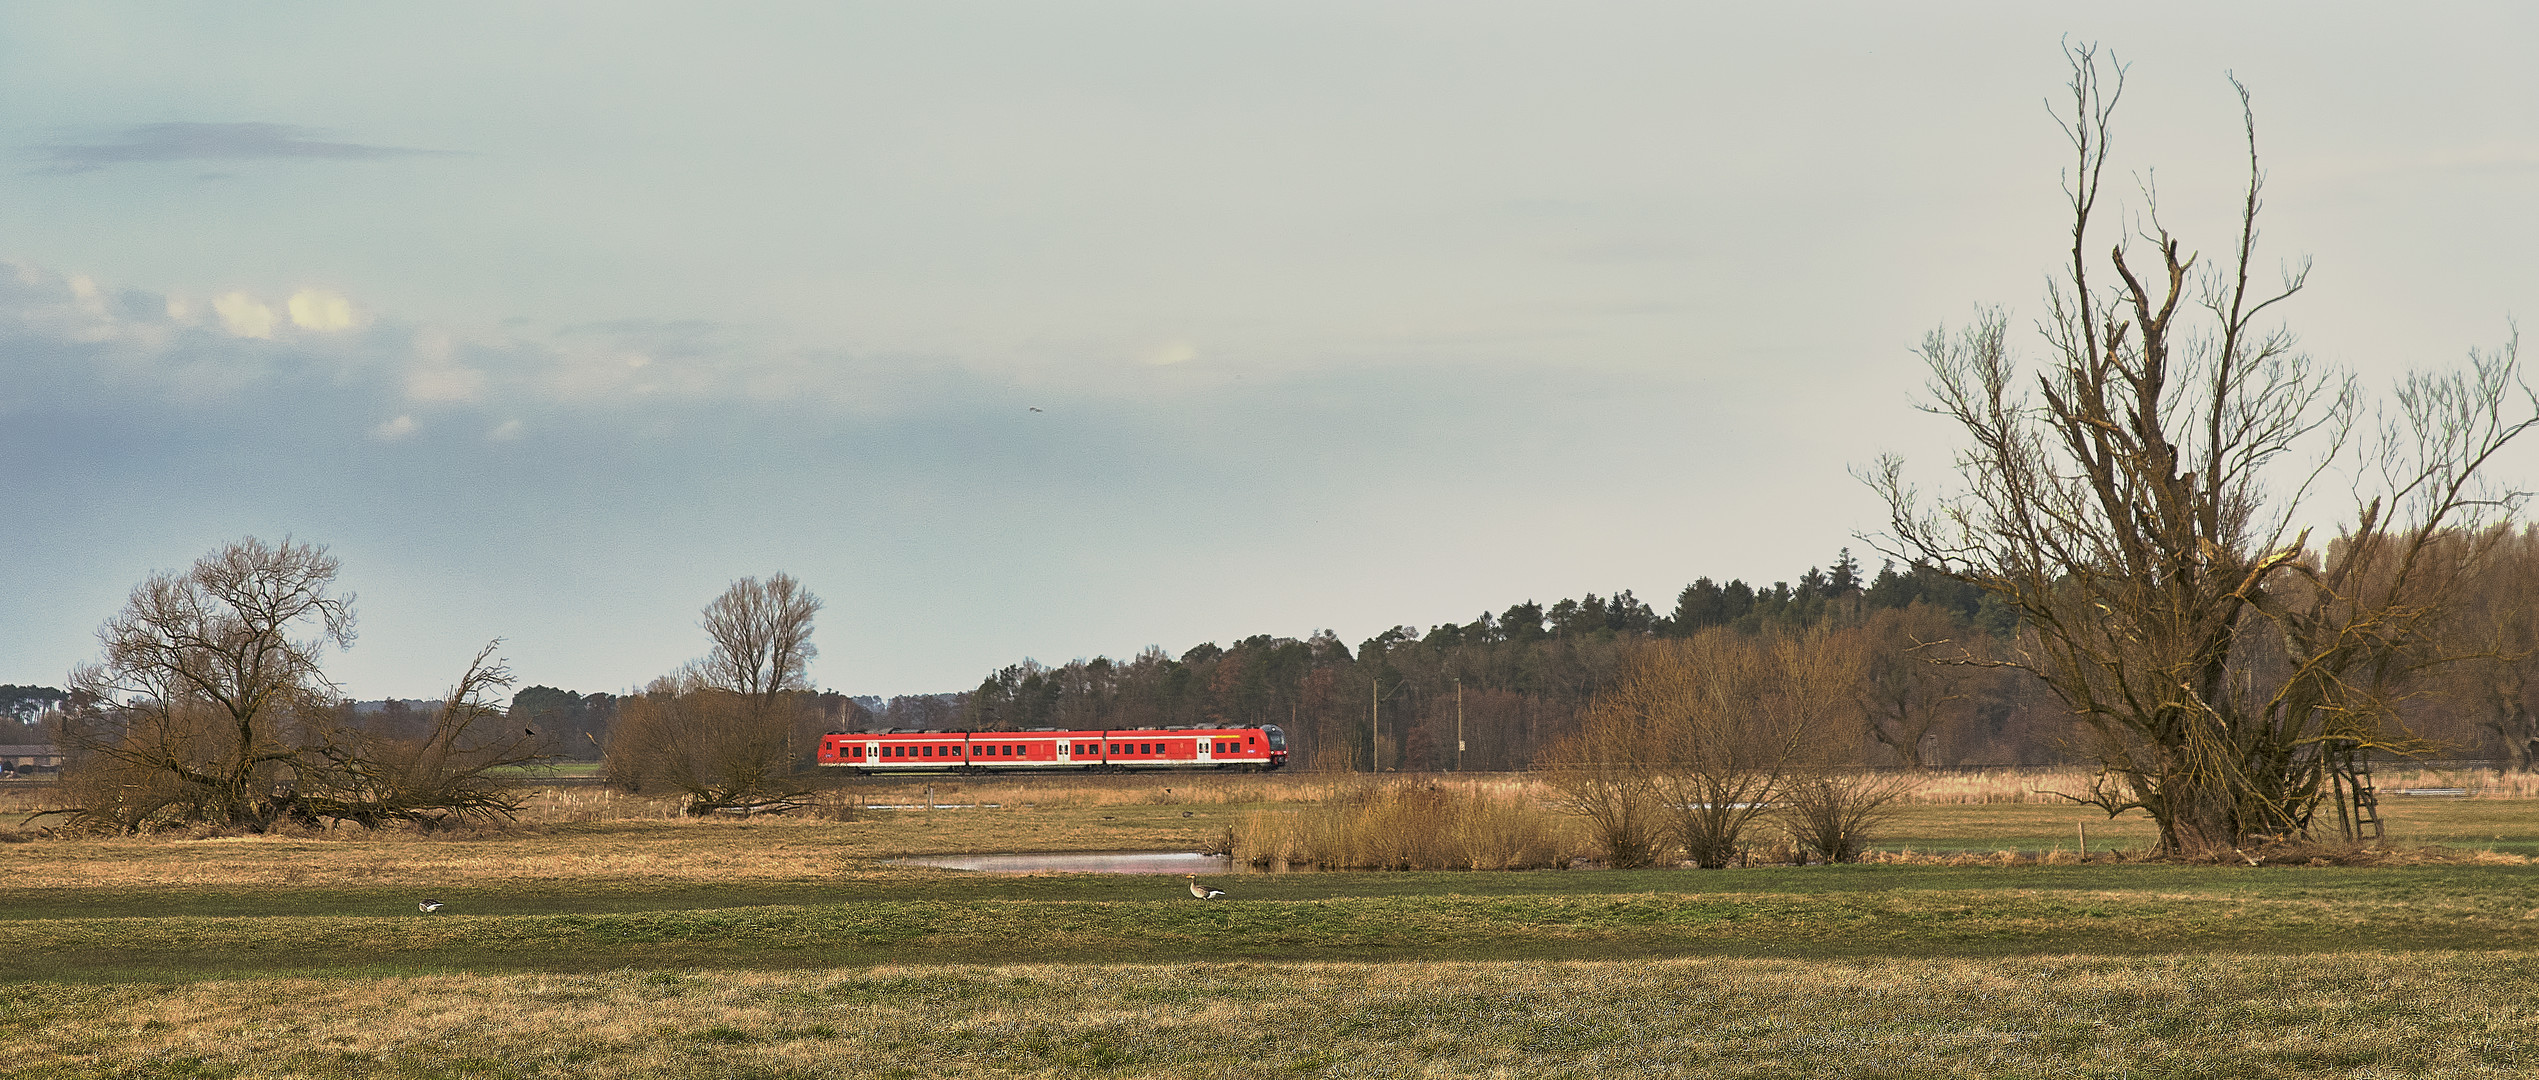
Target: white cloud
<point>1172,352</point>
<point>244,316</point>
<point>208,344</point>
<point>318,309</point>
<point>84,291</point>
<point>394,430</point>
<point>504,432</point>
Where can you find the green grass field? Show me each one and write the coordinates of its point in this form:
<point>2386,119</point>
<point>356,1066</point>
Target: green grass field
<point>610,943</point>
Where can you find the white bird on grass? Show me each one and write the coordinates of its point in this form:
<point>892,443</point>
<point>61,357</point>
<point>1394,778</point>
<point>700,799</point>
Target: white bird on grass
<point>1202,891</point>
<point>427,906</point>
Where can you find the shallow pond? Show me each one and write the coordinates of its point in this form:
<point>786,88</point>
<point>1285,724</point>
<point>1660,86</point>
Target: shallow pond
<point>1085,862</point>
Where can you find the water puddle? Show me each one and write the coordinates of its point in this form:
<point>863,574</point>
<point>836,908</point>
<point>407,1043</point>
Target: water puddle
<point>1086,862</point>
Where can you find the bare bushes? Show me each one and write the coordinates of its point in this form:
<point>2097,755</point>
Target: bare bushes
<point>723,729</point>
<point>1830,815</point>
<point>722,750</point>
<point>1409,826</point>
<point>1699,739</point>
<point>1599,774</point>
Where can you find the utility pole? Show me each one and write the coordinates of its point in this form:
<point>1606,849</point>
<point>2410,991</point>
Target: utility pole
<point>1459,724</point>
<point>1374,711</point>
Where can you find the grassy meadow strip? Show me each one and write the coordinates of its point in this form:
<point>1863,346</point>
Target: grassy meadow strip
<point>1824,913</point>
<point>646,853</point>
<point>2360,1013</point>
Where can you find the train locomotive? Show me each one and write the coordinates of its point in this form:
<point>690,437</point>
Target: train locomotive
<point>1249,749</point>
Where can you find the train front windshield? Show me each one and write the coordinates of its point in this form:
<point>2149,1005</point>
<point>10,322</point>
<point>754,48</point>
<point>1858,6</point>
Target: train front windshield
<point>1277,738</point>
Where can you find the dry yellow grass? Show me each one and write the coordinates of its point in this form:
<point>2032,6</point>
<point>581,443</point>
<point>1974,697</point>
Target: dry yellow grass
<point>1982,786</point>
<point>593,835</point>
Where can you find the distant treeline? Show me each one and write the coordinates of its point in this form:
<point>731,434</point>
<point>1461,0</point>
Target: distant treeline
<point>1493,692</point>
<point>1507,684</point>
<point>1517,679</point>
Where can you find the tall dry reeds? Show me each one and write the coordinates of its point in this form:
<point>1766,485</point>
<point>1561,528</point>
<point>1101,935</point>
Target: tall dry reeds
<point>2012,784</point>
<point>1410,825</point>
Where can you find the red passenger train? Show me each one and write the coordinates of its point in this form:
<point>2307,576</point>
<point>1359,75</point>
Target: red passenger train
<point>1254,749</point>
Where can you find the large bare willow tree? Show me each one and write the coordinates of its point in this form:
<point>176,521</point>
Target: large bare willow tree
<point>2146,504</point>
<point>211,705</point>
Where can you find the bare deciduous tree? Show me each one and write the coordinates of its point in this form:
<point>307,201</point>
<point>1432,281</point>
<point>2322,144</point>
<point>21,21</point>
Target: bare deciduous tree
<point>2490,702</point>
<point>762,637</point>
<point>1908,692</point>
<point>206,666</point>
<point>210,705</point>
<point>723,729</point>
<point>2145,507</point>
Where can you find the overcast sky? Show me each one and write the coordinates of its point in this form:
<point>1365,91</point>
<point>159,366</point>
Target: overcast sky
<point>1056,330</point>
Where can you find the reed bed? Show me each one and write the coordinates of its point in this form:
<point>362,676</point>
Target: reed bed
<point>1412,825</point>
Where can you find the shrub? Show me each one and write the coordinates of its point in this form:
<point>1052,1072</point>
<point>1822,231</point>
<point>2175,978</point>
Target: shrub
<point>1831,814</point>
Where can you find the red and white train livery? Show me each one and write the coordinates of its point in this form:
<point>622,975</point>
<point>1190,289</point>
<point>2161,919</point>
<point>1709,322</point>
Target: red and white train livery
<point>1254,749</point>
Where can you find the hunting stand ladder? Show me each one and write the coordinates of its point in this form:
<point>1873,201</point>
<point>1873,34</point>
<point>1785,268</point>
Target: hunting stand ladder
<point>2348,768</point>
